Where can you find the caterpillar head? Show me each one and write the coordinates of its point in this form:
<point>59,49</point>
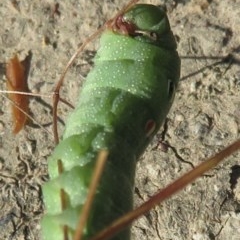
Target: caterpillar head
<point>146,23</point>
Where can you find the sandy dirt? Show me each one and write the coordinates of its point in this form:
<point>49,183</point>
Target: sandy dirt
<point>204,118</point>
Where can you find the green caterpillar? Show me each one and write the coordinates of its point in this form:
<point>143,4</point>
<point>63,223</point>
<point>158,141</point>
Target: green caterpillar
<point>122,104</point>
